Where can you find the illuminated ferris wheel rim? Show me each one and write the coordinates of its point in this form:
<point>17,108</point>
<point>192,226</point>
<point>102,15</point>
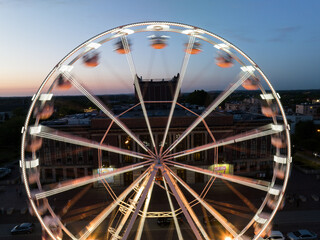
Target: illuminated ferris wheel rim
<point>192,32</point>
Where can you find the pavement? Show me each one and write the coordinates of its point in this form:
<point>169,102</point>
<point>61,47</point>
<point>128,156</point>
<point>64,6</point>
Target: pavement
<point>295,215</point>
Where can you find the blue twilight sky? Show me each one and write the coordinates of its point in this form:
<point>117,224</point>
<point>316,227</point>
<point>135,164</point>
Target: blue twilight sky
<point>281,36</point>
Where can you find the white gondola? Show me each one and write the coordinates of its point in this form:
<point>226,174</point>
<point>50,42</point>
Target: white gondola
<point>34,144</point>
<point>252,83</point>
<point>269,110</point>
<point>224,60</point>
<point>119,48</point>
<point>158,42</point>
<point>278,141</point>
<point>62,83</point>
<point>280,172</point>
<point>33,176</point>
<point>54,227</point>
<point>196,48</point>
<point>91,59</point>
<point>272,203</point>
<point>44,112</point>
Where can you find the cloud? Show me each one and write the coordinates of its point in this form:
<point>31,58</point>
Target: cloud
<point>284,33</point>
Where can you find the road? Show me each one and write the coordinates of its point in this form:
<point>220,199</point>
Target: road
<point>295,215</point>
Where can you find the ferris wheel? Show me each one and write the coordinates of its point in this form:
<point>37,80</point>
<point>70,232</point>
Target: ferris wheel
<point>120,138</point>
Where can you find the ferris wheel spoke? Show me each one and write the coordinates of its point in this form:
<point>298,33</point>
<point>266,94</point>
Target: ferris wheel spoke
<point>50,133</point>
<point>224,222</point>
<point>72,184</point>
<point>145,190</point>
<point>208,110</point>
<point>265,130</point>
<point>137,87</point>
<point>178,88</point>
<point>172,211</point>
<point>106,111</point>
<point>249,182</point>
<point>85,233</point>
<point>184,205</point>
<point>131,207</point>
<point>144,213</point>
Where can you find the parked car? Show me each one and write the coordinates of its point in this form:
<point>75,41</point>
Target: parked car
<point>302,234</point>
<point>302,198</point>
<point>275,235</point>
<point>315,197</point>
<point>23,228</point>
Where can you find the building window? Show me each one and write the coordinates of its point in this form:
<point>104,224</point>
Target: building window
<point>127,143</point>
<point>199,178</point>
<point>198,140</point>
<point>253,148</point>
<point>59,174</point>
<point>79,155</point>
<point>58,157</point>
<point>70,173</point>
<point>80,172</point>
<point>181,174</point>
<point>243,149</point>
<point>243,166</point>
<point>48,174</point>
<point>263,147</point>
<point>69,159</point>
<point>47,156</point>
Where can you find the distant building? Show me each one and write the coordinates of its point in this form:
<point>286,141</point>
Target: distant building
<point>293,119</point>
<point>309,109</point>
<point>251,105</point>
<point>157,90</point>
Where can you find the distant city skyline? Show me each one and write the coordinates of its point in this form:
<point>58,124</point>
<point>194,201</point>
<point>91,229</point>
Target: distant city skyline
<point>280,36</point>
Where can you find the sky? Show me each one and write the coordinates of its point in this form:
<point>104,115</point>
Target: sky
<point>281,36</point>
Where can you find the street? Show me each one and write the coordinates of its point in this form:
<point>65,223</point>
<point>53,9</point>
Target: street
<point>296,214</point>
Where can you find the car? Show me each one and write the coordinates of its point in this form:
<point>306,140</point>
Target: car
<point>302,198</point>
<point>302,234</point>
<point>315,197</point>
<point>275,235</point>
<point>23,228</point>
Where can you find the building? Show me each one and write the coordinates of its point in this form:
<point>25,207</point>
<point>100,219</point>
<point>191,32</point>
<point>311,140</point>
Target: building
<point>251,105</point>
<point>61,160</point>
<point>157,90</point>
<point>309,109</point>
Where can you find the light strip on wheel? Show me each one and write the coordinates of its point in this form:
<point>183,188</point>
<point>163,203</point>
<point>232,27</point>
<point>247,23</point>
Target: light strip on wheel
<point>279,159</point>
<point>94,45</point>
<point>45,97</point>
<point>158,27</point>
<point>275,190</point>
<point>30,163</point>
<point>221,45</point>
<point>277,127</point>
<point>262,218</point>
<point>65,68</point>
<point>267,96</point>
<point>35,130</point>
<point>248,68</point>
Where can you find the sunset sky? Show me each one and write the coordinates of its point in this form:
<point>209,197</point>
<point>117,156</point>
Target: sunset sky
<point>281,36</point>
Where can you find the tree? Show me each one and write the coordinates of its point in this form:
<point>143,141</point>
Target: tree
<point>198,97</point>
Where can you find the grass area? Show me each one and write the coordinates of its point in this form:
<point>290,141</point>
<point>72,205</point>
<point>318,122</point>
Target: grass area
<point>305,163</point>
